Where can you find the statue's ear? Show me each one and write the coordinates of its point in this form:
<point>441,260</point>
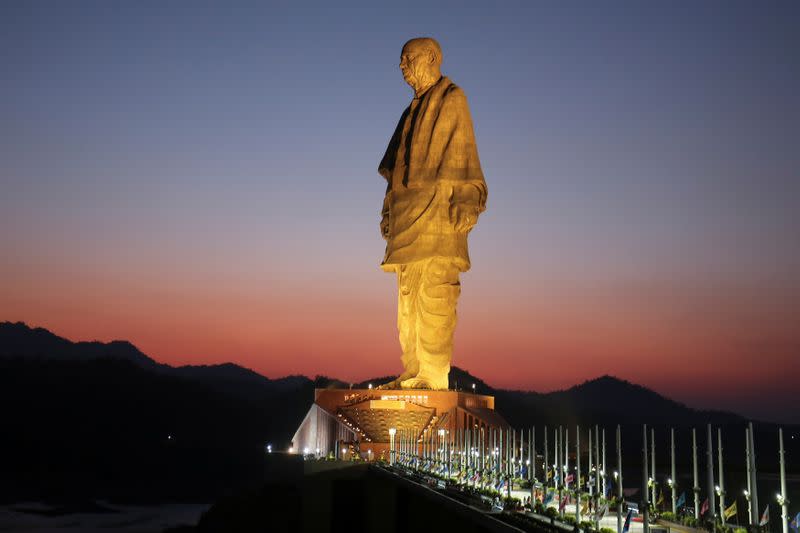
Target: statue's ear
<point>431,56</point>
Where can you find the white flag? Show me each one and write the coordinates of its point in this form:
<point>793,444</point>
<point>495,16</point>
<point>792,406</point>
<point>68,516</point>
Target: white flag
<point>765,517</point>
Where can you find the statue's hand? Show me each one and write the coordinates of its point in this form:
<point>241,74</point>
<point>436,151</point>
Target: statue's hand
<point>463,216</point>
<point>385,226</point>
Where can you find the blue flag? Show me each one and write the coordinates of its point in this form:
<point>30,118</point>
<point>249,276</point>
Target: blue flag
<point>681,500</point>
<point>548,498</point>
<point>794,523</point>
<point>608,490</point>
<point>627,526</point>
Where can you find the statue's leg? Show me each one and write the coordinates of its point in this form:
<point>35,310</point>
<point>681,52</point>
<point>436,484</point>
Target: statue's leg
<point>439,289</point>
<point>408,281</point>
<point>408,277</point>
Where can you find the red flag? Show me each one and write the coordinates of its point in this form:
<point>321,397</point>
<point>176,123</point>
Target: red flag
<point>704,508</point>
<point>564,501</point>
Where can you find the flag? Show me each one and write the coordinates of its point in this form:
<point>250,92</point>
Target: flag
<point>549,474</point>
<point>660,500</point>
<point>765,517</point>
<point>681,500</point>
<point>627,527</point>
<point>564,501</point>
<point>730,511</point>
<point>704,507</point>
<point>548,497</point>
<point>601,511</point>
<point>570,477</point>
<point>795,523</point>
<point>608,490</point>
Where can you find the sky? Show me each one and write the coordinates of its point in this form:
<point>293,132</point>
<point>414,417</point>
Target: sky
<point>200,178</point>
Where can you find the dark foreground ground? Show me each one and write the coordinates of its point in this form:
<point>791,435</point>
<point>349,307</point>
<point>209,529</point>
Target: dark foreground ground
<point>337,496</point>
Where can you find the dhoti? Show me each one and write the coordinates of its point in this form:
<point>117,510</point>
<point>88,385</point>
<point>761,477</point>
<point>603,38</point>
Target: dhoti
<point>428,291</point>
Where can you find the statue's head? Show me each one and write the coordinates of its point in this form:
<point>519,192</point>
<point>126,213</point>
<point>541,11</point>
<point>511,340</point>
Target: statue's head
<point>420,63</point>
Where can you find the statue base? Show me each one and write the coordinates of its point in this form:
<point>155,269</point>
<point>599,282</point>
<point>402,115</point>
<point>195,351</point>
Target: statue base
<point>347,421</point>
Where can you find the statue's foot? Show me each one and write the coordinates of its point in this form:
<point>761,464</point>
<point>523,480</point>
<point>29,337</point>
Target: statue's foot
<point>415,383</point>
<point>396,383</point>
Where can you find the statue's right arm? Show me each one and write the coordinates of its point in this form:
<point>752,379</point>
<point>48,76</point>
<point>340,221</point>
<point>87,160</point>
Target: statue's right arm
<point>385,214</point>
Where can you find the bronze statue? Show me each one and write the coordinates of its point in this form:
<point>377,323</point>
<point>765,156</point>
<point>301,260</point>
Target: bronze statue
<point>435,192</point>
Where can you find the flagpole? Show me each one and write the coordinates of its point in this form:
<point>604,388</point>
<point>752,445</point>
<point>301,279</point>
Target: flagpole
<point>645,497</point>
<point>513,449</point>
<point>620,495</point>
<point>748,493</point>
<point>532,455</point>
<point>721,477</point>
<point>566,457</point>
<point>712,508</point>
<point>604,463</point>
<point>521,450</point>
<point>578,470</point>
<point>674,483</point>
<point>449,457</point>
<point>783,499</point>
<point>696,488</point>
<point>753,473</point>
<point>481,452</point>
<point>589,465</point>
<point>546,461</point>
<point>559,467</point>
<point>653,463</point>
<point>500,470</point>
<point>596,459</point>
<point>494,449</point>
<point>509,445</point>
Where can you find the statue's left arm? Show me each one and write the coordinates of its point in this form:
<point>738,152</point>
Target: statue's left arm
<point>460,165</point>
<point>466,205</point>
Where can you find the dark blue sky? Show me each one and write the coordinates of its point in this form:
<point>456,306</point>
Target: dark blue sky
<point>642,163</point>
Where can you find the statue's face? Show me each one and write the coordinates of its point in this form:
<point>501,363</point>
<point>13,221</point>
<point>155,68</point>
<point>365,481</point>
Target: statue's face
<point>417,64</point>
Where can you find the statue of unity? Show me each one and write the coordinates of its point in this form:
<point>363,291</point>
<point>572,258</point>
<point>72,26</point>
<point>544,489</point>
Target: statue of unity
<point>435,192</point>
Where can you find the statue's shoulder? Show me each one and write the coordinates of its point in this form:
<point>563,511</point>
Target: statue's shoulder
<point>450,89</point>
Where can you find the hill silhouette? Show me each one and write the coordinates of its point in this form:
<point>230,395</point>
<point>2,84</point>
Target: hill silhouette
<point>105,420</point>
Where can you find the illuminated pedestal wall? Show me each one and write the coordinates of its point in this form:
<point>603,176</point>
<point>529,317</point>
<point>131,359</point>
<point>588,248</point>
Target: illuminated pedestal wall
<point>364,416</point>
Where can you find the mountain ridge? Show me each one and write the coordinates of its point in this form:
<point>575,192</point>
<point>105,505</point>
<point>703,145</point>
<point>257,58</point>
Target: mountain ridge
<point>603,394</point>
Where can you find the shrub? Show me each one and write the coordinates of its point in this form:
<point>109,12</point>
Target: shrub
<point>668,516</point>
<point>607,530</point>
<point>568,519</point>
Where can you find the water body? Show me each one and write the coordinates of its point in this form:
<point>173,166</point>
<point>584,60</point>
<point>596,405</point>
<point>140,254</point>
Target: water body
<point>96,517</point>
